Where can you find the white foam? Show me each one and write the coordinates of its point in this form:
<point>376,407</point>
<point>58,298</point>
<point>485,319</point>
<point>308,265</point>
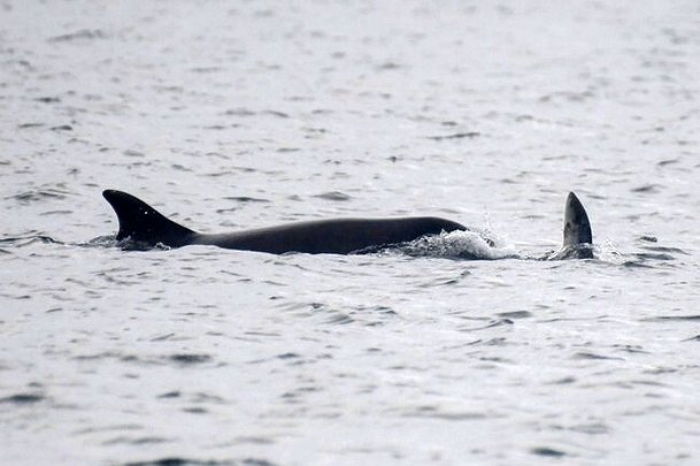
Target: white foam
<point>461,244</point>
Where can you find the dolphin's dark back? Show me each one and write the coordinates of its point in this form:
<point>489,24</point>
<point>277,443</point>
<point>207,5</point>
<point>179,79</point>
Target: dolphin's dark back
<point>142,224</point>
<point>336,236</point>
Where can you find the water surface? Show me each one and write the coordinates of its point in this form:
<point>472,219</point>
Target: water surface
<point>235,115</point>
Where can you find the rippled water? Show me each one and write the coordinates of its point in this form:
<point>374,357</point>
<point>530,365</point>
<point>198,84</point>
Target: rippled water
<point>229,115</point>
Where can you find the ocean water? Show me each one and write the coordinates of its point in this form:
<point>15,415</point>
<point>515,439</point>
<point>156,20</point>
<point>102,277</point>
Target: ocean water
<point>234,115</point>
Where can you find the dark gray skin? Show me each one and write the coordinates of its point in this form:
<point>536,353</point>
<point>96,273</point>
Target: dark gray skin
<point>577,227</point>
<point>578,238</point>
<point>341,236</point>
<point>143,226</point>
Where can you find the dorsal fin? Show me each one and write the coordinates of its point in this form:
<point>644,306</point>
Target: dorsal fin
<point>577,228</point>
<point>142,223</point>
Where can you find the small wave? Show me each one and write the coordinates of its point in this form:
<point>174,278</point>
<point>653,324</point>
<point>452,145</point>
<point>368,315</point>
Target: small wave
<point>647,188</point>
<point>333,196</point>
<point>22,398</point>
<point>665,250</point>
<point>245,199</point>
<point>110,241</point>
<point>130,245</point>
<point>367,315</point>
<point>646,256</point>
<point>126,244</point>
<point>492,324</point>
<point>515,315</point>
<point>468,135</point>
<point>646,260</point>
<point>189,358</point>
<point>82,34</point>
<point>576,251</point>
<point>107,241</point>
<point>39,195</point>
<point>650,255</point>
<point>469,245</point>
<point>21,241</point>
<point>589,355</point>
<point>176,461</point>
<point>546,451</point>
<point>129,440</point>
<point>682,318</point>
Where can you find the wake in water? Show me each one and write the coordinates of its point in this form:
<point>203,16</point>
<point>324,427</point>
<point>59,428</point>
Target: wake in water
<point>142,228</point>
<point>21,241</point>
<point>108,241</point>
<point>457,245</point>
<point>466,245</point>
<point>111,241</point>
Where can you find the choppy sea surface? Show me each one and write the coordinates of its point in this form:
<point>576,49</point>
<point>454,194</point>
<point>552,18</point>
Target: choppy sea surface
<point>233,115</point>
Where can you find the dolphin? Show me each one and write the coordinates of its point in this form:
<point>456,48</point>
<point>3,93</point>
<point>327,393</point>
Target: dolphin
<point>145,227</point>
<point>578,237</point>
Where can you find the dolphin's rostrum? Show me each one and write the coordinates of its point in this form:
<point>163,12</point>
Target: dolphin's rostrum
<point>142,225</point>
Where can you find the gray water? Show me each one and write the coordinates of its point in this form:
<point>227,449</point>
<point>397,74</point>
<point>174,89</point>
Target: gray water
<point>232,115</point>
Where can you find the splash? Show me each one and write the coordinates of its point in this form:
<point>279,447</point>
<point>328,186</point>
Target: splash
<point>126,244</point>
<point>573,251</point>
<point>469,245</point>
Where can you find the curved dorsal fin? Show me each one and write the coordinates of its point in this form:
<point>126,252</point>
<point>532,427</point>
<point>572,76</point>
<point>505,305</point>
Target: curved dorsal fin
<point>577,227</point>
<point>142,223</point>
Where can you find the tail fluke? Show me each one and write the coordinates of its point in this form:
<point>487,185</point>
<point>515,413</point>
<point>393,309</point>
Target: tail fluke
<point>142,224</point>
<point>578,238</point>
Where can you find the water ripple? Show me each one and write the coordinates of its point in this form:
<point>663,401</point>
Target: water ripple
<point>22,241</point>
<point>38,195</point>
<point>22,398</point>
